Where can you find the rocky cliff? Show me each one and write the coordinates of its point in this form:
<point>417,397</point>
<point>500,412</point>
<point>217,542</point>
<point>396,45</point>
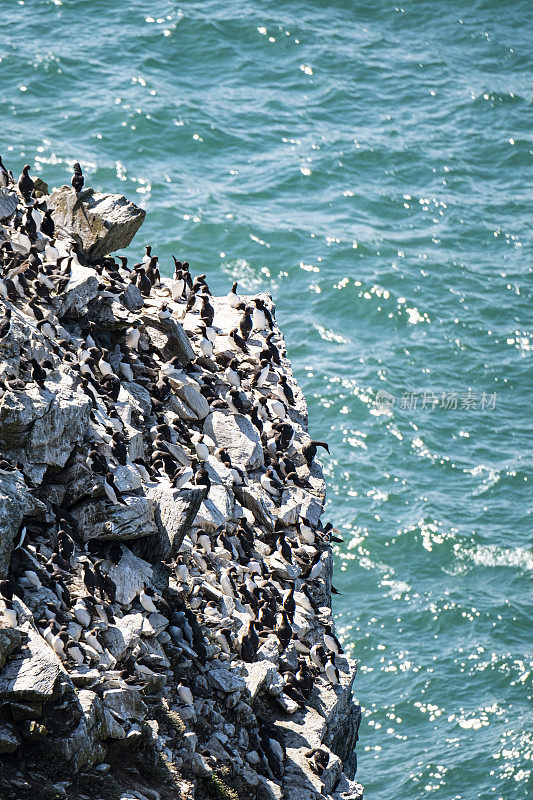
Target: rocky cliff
<point>165,594</point>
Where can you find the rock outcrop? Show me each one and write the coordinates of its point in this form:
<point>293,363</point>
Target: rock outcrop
<point>165,598</point>
<point>101,223</point>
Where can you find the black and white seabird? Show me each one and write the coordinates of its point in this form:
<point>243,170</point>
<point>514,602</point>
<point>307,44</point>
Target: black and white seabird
<point>77,179</point>
<point>318,759</point>
<point>231,374</point>
<point>112,492</point>
<point>26,184</point>
<point>331,642</point>
<point>331,669</point>
<point>309,451</point>
<point>245,324</point>
<point>238,341</point>
<point>143,283</point>
<point>250,644</point>
<point>232,297</point>
<point>47,224</point>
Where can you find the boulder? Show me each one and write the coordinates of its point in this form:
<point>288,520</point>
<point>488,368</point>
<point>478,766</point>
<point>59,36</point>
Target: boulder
<point>262,676</point>
<point>174,512</point>
<point>109,315</point>
<point>43,426</point>
<point>40,188</point>
<point>10,639</point>
<point>113,729</point>
<point>347,789</point>
<point>78,479</point>
<point>216,509</point>
<point>26,710</point>
<point>130,575</point>
<point>196,401</point>
<point>254,498</point>
<point>134,395</point>
<point>101,223</point>
<point>224,680</point>
<point>82,748</point>
<point>9,739</point>
<point>8,204</point>
<point>18,412</point>
<point>127,478</point>
<point>127,703</point>
<point>238,436</point>
<point>81,289</point>
<point>199,766</point>
<point>170,339</point>
<point>16,502</point>
<point>179,407</point>
<point>103,520</point>
<point>132,298</point>
<point>33,674</point>
<point>121,638</point>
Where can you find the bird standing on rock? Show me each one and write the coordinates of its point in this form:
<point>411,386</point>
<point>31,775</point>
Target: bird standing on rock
<point>26,184</point>
<point>77,179</point>
<point>47,224</point>
<point>309,451</point>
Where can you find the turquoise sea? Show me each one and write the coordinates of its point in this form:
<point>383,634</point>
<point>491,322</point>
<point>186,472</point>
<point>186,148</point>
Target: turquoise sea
<point>369,163</point>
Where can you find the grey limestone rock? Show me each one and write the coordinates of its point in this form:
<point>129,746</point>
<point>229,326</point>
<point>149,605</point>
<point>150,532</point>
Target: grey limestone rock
<point>129,576</point>
<point>120,639</point>
<point>8,203</point>
<point>137,396</point>
<point>254,498</point>
<point>127,478</point>
<point>192,397</point>
<point>82,748</point>
<point>170,338</point>
<point>102,223</point>
<point>113,728</point>
<point>262,676</point>
<point>43,427</point>
<point>132,298</point>
<point>103,520</point>
<point>199,766</point>
<point>225,680</point>
<point>33,674</point>
<point>81,289</point>
<point>238,436</point>
<point>10,639</point>
<point>9,739</point>
<point>175,510</point>
<point>127,703</point>
<point>16,501</point>
<point>215,509</point>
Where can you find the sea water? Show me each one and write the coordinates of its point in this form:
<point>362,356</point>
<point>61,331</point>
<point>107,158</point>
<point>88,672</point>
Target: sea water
<point>369,164</point>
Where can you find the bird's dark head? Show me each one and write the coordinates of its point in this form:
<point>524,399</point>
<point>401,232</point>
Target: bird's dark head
<point>322,444</point>
<point>25,169</point>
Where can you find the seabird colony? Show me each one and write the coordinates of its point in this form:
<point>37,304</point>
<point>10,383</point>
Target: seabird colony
<point>249,588</point>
